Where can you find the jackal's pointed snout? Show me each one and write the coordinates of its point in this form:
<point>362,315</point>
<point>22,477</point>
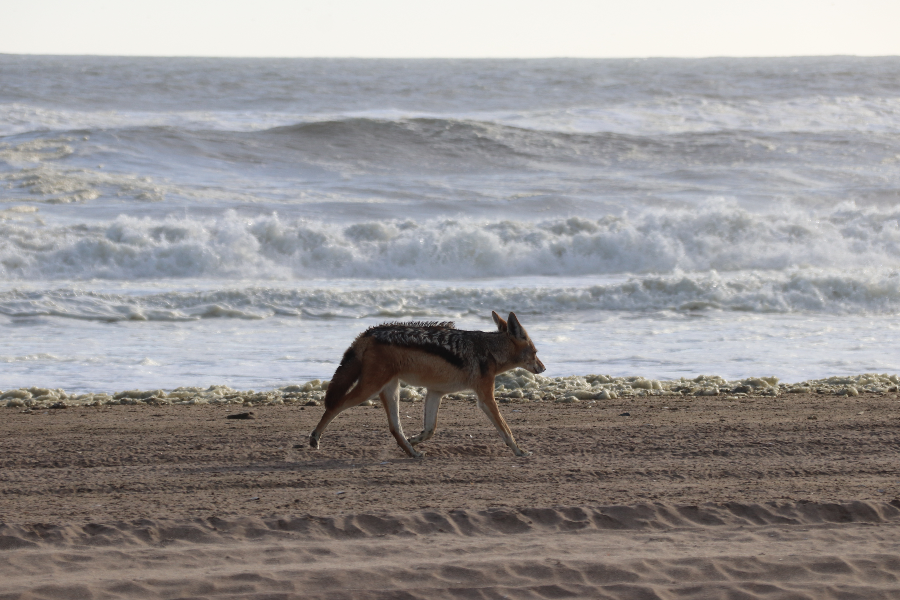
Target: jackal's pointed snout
<point>534,366</point>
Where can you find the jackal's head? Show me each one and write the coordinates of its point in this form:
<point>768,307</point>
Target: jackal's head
<point>523,354</point>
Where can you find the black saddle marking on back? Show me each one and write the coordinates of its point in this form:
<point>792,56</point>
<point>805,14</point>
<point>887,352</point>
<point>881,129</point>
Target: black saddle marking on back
<point>441,339</point>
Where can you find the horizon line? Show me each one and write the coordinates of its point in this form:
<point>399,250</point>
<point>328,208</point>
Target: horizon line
<point>425,58</point>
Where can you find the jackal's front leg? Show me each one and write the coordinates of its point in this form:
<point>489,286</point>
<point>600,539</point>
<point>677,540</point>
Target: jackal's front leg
<point>486,402</point>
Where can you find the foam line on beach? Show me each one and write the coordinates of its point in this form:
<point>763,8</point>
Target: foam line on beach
<point>518,385</point>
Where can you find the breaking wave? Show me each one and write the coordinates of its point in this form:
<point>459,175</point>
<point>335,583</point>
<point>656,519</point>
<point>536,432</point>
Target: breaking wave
<point>718,236</point>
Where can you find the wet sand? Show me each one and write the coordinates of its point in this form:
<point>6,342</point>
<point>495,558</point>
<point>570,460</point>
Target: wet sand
<point>793,496</point>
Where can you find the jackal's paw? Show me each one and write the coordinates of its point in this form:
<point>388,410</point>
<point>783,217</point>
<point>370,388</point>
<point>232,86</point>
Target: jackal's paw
<point>416,439</point>
<point>521,452</point>
<point>415,454</point>
<point>314,441</point>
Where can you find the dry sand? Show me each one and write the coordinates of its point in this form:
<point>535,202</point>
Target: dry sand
<point>793,496</point>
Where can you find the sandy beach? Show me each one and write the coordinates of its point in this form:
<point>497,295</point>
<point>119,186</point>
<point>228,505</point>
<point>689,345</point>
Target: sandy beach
<point>790,496</point>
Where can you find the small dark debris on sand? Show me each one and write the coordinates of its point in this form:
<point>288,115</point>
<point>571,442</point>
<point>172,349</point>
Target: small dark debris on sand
<point>243,415</point>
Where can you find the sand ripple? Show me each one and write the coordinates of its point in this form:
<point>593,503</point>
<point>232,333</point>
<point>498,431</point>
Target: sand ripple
<point>776,550</point>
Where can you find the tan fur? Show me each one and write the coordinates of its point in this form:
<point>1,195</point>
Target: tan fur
<point>467,360</point>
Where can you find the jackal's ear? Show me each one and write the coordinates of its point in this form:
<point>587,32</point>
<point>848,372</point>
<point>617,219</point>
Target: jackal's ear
<point>501,324</point>
<point>515,328</point>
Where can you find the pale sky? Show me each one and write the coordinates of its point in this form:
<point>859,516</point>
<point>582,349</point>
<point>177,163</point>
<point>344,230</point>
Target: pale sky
<point>461,28</point>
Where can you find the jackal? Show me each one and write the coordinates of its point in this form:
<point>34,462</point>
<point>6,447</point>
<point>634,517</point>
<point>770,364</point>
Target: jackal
<point>433,355</point>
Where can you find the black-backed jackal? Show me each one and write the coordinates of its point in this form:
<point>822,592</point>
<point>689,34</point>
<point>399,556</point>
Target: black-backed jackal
<point>436,356</point>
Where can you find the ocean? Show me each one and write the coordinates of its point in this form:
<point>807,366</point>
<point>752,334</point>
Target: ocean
<point>174,222</point>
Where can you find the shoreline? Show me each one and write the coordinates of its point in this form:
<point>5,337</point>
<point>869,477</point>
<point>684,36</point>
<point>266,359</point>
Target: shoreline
<point>517,385</point>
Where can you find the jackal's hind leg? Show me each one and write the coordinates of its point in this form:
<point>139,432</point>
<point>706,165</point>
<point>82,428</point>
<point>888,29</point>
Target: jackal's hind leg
<point>390,400</point>
<point>367,386</point>
<point>316,434</point>
<point>432,404</point>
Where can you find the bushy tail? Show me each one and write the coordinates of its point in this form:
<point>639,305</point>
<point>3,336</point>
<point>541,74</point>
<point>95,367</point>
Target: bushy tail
<point>345,376</point>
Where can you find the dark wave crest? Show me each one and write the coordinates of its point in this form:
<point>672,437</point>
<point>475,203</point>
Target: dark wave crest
<point>450,145</point>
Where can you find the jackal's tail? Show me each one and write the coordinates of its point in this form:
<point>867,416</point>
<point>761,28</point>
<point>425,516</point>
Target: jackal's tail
<point>345,376</point>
